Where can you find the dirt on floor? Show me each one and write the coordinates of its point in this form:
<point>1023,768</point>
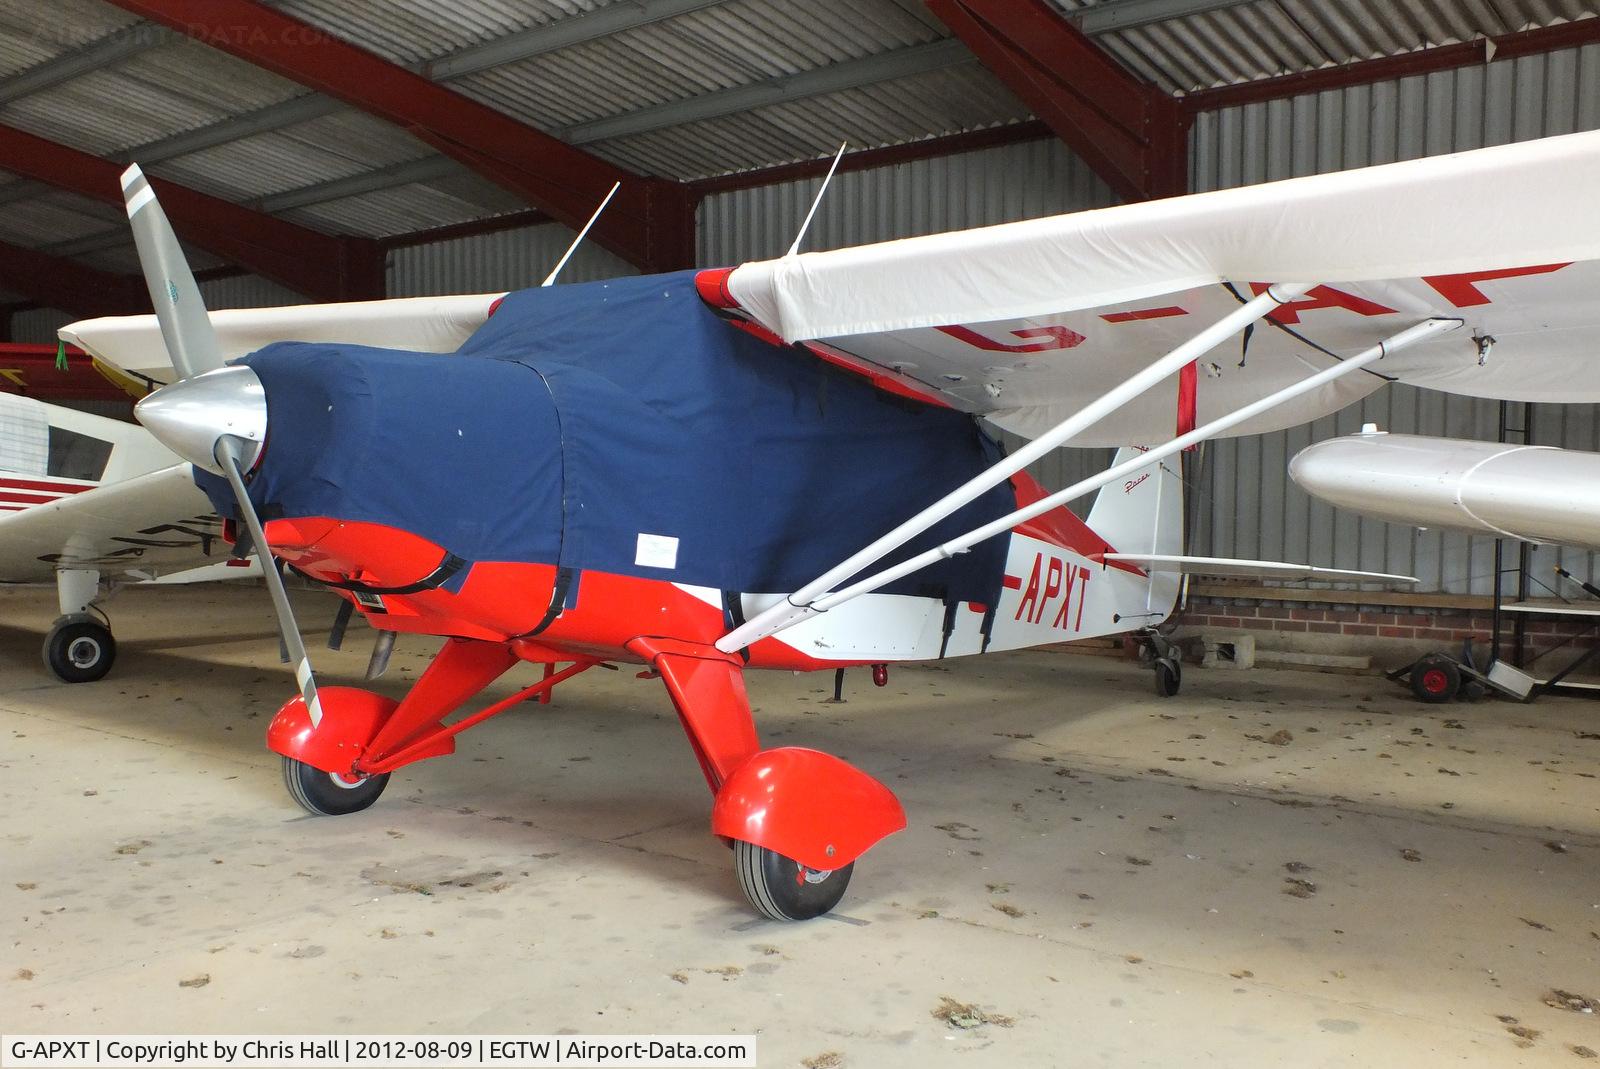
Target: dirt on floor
<point>1271,869</point>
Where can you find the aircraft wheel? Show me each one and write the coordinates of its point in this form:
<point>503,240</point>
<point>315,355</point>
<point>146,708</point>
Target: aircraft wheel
<point>329,794</point>
<point>1435,679</point>
<point>1169,677</point>
<point>80,652</point>
<point>782,889</point>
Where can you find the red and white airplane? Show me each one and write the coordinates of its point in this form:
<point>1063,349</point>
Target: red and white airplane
<point>779,465</point>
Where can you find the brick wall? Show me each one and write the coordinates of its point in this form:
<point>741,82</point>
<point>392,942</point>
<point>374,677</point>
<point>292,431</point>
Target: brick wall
<point>1386,632</point>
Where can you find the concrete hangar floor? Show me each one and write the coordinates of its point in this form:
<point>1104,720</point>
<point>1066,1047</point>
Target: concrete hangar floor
<point>1092,875</point>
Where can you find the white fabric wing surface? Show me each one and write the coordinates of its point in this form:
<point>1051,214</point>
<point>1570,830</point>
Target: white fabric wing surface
<point>147,525</point>
<point>1026,322</point>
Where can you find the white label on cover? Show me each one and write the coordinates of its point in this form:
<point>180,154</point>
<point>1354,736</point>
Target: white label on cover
<point>656,551</point>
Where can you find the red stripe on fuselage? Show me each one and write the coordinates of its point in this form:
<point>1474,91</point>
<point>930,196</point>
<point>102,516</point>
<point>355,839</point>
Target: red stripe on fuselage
<point>28,499</point>
<point>1060,527</point>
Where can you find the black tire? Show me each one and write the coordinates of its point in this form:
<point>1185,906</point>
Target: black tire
<point>325,795</point>
<point>1169,677</point>
<point>1435,679</point>
<point>80,652</point>
<point>781,889</point>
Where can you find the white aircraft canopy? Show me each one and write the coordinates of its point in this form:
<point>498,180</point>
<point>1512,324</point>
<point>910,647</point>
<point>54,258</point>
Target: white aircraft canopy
<point>1026,322</point>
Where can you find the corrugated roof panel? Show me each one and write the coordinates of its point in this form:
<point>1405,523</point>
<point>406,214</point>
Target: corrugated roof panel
<point>346,143</point>
<point>413,31</point>
<point>391,211</point>
<point>1264,38</point>
<point>735,43</point>
<point>171,89</point>
<point>30,36</point>
<point>54,217</point>
<point>887,113</point>
<point>209,78</point>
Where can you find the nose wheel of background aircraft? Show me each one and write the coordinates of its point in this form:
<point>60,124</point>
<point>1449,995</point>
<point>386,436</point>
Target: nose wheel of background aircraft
<point>79,650</point>
<point>782,889</point>
<point>330,794</point>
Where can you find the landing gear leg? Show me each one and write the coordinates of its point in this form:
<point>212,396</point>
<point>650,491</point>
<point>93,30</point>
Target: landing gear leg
<point>797,819</point>
<point>1164,658</point>
<point>79,647</point>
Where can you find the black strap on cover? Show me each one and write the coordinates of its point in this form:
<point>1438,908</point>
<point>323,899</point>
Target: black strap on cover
<point>558,598</point>
<point>438,577</point>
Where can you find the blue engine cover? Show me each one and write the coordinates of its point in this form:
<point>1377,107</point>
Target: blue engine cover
<point>581,417</point>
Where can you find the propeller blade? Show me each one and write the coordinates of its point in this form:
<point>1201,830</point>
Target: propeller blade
<point>185,327</point>
<point>230,456</point>
<point>216,420</point>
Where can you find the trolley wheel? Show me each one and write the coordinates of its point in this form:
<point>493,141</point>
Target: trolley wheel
<point>1169,677</point>
<point>782,889</point>
<point>329,794</point>
<point>1435,678</point>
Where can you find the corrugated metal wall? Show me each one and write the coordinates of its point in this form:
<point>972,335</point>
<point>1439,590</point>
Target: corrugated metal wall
<point>504,260</point>
<point>39,326</point>
<point>996,185</point>
<point>1256,510</point>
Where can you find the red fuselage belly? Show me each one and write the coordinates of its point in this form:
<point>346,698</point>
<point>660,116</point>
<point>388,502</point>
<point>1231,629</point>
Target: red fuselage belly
<point>501,601</point>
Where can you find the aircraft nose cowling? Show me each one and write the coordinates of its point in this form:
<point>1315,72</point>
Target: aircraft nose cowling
<point>189,417</point>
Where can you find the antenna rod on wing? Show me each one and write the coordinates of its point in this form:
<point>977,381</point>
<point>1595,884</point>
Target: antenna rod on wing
<point>550,279</point>
<point>817,200</point>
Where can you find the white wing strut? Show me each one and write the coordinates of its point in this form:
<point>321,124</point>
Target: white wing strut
<point>797,607</point>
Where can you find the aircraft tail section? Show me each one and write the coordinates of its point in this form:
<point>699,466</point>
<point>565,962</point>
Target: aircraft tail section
<point>1143,514</point>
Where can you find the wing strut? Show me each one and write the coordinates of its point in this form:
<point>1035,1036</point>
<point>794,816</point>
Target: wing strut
<point>799,605</point>
<point>815,597</point>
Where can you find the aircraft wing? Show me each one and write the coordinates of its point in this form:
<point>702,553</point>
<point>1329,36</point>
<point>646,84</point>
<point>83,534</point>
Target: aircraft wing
<point>140,528</point>
<point>1228,567</point>
<point>1026,322</point>
<point>419,324</point>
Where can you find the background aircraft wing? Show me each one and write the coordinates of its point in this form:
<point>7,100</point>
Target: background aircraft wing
<point>146,526</point>
<point>419,324</point>
<point>1025,322</point>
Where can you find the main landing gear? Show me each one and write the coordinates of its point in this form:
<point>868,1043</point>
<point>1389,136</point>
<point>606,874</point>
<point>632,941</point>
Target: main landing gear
<point>797,819</point>
<point>782,889</point>
<point>330,794</point>
<point>79,647</point>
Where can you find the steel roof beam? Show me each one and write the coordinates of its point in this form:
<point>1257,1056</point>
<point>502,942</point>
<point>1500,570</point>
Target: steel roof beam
<point>1132,134</point>
<point>563,33</point>
<point>650,224</point>
<point>319,265</point>
<point>107,51</point>
<point>1109,16</point>
<point>538,40</point>
<point>56,282</point>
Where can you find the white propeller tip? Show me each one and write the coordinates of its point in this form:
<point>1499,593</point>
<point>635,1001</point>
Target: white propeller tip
<point>131,175</point>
